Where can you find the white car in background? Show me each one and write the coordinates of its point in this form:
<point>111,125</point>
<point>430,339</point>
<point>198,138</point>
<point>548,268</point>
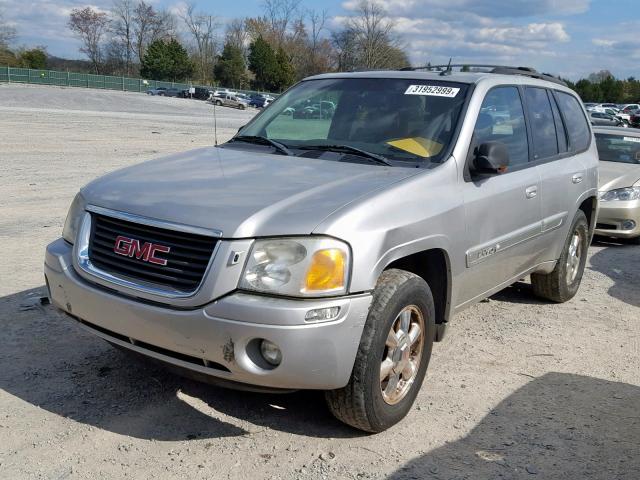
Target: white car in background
<point>627,110</point>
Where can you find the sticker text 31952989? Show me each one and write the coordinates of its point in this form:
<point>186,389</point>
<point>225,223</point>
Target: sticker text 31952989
<point>432,91</point>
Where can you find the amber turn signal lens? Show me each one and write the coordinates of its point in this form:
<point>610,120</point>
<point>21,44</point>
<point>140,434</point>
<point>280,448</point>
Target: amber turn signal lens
<point>327,270</point>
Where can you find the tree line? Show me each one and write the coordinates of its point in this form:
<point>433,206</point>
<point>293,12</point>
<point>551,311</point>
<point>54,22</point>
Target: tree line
<point>603,87</point>
<point>268,52</point>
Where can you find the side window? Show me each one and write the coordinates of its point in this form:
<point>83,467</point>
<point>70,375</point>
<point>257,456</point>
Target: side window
<point>501,119</point>
<point>577,126</point>
<point>561,133</point>
<point>543,131</point>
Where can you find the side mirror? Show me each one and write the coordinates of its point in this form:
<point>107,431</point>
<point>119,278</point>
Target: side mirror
<point>491,157</point>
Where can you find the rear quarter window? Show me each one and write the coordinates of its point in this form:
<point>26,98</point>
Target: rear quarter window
<point>543,129</point>
<point>575,121</point>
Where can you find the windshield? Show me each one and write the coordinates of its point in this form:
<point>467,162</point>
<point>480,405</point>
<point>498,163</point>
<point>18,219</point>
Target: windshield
<point>402,120</point>
<point>618,148</point>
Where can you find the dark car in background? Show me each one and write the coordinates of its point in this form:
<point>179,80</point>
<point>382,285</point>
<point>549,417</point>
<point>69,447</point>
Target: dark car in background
<point>260,100</point>
<point>199,93</point>
<point>157,91</point>
<point>174,92</point>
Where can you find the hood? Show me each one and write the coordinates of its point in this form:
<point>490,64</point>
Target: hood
<point>241,193</point>
<point>618,175</point>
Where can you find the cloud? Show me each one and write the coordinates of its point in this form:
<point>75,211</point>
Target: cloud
<point>515,32</point>
<point>484,8</point>
<point>623,46</point>
<point>43,21</point>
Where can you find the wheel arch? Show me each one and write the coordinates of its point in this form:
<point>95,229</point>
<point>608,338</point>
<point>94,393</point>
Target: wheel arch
<point>590,208</point>
<point>434,267</point>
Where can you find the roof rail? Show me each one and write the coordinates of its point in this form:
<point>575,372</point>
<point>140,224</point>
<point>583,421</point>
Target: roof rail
<point>500,69</point>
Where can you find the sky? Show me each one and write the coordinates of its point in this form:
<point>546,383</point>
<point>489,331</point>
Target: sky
<point>570,38</point>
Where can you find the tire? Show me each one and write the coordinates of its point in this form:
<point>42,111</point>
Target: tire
<point>563,282</point>
<point>218,103</point>
<point>362,403</point>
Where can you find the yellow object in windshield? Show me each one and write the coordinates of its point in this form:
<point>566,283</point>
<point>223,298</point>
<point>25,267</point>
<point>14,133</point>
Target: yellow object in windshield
<point>422,147</point>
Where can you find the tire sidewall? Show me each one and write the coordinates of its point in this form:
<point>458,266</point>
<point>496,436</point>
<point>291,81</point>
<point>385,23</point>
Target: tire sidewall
<point>412,292</point>
<point>580,225</point>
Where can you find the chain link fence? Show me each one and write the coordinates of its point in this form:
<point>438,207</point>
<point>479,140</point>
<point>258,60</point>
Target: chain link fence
<point>87,80</point>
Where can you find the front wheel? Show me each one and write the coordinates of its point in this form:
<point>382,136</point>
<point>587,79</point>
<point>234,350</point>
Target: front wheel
<point>563,282</point>
<point>392,357</point>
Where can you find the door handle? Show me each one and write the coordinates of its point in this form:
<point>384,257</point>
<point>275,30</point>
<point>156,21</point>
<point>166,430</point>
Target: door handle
<point>577,178</point>
<point>532,191</point>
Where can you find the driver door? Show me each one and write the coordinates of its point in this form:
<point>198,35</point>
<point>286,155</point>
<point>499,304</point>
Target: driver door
<point>502,210</point>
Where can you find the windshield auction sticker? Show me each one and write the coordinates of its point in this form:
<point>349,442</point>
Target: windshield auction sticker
<point>432,91</point>
<point>632,139</point>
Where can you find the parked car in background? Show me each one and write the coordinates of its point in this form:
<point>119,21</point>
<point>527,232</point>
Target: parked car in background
<point>230,101</point>
<point>619,190</point>
<point>223,93</point>
<point>605,119</point>
<point>603,108</point>
<point>174,92</point>
<point>627,110</point>
<point>156,91</point>
<point>634,119</point>
<point>629,107</point>
<point>260,100</point>
<point>200,93</point>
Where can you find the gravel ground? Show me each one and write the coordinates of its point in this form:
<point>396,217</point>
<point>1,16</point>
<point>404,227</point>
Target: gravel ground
<point>519,388</point>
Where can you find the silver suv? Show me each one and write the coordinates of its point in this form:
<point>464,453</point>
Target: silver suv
<point>330,252</point>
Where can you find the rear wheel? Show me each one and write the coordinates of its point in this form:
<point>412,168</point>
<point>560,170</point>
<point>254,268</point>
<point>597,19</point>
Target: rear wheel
<point>392,357</point>
<point>563,282</point>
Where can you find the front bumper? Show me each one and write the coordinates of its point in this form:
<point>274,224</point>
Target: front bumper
<point>613,215</point>
<point>218,339</point>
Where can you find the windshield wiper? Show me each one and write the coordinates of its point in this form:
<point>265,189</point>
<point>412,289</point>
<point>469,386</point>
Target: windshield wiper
<point>258,140</point>
<point>349,149</point>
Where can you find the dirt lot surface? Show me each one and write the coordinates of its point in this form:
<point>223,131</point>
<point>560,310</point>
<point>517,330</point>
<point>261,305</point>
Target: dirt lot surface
<point>519,388</point>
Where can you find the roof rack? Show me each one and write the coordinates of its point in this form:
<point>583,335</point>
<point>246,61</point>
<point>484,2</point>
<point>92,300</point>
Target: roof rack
<point>500,69</point>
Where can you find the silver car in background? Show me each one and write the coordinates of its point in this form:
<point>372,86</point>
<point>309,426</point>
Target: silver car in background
<point>330,252</point>
<point>619,152</point>
<point>230,100</point>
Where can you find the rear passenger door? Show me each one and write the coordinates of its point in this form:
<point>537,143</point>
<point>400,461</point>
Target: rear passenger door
<point>561,137</point>
<point>502,211</point>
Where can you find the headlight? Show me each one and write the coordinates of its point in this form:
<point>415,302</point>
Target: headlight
<point>73,218</point>
<point>307,267</point>
<point>622,194</point>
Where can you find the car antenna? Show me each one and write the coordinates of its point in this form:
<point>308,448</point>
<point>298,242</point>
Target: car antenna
<point>448,70</point>
<point>215,125</point>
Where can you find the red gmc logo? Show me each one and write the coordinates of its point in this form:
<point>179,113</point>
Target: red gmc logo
<point>130,247</point>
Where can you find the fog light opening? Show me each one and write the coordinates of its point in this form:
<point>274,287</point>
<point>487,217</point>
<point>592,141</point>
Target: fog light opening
<point>628,225</point>
<point>270,352</point>
<point>322,314</point>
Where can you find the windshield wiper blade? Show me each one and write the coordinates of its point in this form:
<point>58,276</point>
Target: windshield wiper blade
<point>349,149</point>
<point>281,147</point>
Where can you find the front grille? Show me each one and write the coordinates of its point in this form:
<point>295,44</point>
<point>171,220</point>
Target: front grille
<point>186,261</point>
